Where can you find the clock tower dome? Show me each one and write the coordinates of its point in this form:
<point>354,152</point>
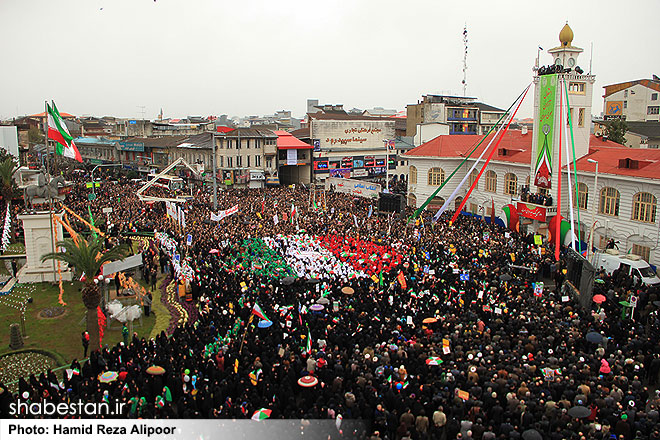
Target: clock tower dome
<point>565,54</point>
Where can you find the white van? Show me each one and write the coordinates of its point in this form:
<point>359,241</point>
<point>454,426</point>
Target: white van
<point>630,264</point>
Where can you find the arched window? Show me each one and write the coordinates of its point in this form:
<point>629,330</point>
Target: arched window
<point>644,207</point>
<point>457,202</point>
<point>510,184</point>
<point>412,200</point>
<point>609,201</point>
<point>436,176</point>
<point>491,181</point>
<point>582,196</point>
<point>412,177</point>
<point>473,178</point>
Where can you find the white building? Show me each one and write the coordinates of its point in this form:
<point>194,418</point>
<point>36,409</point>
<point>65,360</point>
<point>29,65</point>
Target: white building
<point>633,100</point>
<point>628,180</point>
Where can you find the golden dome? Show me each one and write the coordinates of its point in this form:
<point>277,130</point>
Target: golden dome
<point>566,35</point>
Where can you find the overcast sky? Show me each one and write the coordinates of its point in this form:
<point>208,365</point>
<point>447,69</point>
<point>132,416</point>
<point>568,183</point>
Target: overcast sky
<point>254,57</point>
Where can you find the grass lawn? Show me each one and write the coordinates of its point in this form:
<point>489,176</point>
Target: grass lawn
<point>61,334</point>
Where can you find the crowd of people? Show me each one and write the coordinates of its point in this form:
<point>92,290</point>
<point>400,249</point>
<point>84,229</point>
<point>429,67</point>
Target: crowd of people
<point>442,335</point>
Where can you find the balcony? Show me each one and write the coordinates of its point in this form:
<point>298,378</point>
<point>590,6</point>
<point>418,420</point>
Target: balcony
<point>462,132</point>
<point>461,119</point>
<point>270,150</point>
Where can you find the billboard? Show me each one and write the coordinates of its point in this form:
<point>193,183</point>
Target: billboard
<point>355,187</point>
<point>614,108</point>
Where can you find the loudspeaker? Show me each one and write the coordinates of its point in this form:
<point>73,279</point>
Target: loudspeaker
<point>391,203</point>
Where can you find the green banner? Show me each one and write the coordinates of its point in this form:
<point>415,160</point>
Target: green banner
<point>547,94</point>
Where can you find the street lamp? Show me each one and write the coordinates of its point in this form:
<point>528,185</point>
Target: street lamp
<point>593,209</point>
<point>94,169</point>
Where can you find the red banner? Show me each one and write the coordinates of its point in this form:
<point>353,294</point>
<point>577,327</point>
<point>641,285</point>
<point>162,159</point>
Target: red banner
<point>531,211</point>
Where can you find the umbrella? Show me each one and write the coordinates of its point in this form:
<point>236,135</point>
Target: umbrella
<point>599,299</point>
<point>433,360</point>
<point>579,412</point>
<point>532,434</point>
<point>316,307</point>
<point>429,320</point>
<point>505,277</point>
<point>214,251</point>
<point>308,381</point>
<point>599,281</point>
<point>108,376</point>
<point>287,281</point>
<point>313,281</point>
<point>155,370</point>
<point>595,338</point>
<point>261,414</point>
<point>264,324</point>
<point>324,301</point>
<point>347,290</point>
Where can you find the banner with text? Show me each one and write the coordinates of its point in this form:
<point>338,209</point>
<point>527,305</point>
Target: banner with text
<point>543,168</point>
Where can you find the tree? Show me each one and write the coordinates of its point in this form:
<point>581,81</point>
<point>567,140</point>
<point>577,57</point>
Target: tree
<point>35,136</point>
<point>87,257</point>
<point>8,168</point>
<point>616,131</point>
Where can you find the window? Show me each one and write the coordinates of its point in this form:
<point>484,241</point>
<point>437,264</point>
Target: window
<point>239,161</point>
<point>581,117</point>
<point>625,93</point>
<point>582,196</point>
<point>653,110</point>
<point>491,181</point>
<point>642,251</point>
<point>413,175</point>
<point>269,163</point>
<point>436,176</point>
<point>473,178</point>
<point>248,161</point>
<point>257,160</point>
<point>473,208</point>
<point>229,162</point>
<point>654,96</point>
<point>625,104</point>
<point>644,207</point>
<point>576,88</point>
<point>510,184</point>
<point>609,201</point>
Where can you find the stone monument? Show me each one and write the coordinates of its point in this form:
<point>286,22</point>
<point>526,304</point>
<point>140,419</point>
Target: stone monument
<point>38,243</point>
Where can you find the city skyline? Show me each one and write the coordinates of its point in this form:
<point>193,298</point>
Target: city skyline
<point>122,58</point>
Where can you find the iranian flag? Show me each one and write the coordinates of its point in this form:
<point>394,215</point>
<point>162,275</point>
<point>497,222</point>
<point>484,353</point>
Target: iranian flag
<point>308,345</point>
<point>293,212</point>
<point>256,310</point>
<point>58,132</point>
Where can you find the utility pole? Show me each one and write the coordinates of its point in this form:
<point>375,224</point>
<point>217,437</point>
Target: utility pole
<point>142,107</point>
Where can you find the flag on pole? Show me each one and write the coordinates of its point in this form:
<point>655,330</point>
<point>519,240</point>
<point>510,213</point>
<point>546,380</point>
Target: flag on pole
<point>91,221</point>
<point>58,132</point>
<point>293,212</point>
<point>308,347</point>
<point>256,310</point>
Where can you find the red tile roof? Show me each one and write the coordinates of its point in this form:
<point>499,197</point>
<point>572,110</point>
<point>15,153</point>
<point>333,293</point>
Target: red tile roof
<point>516,147</point>
<point>642,162</point>
<point>287,141</point>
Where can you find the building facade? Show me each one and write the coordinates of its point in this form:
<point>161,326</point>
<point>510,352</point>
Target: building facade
<point>463,115</point>
<point>637,100</point>
<point>351,145</point>
<point>622,205</point>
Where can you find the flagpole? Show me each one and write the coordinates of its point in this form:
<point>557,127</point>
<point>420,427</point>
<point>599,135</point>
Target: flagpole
<point>50,199</point>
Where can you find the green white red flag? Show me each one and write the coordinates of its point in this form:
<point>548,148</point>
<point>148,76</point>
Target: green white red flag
<point>256,310</point>
<point>58,132</point>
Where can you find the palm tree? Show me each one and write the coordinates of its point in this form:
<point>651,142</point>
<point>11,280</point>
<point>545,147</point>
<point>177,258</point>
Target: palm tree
<point>7,170</point>
<point>87,257</point>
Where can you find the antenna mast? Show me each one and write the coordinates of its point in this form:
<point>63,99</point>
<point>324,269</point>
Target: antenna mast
<point>465,44</point>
